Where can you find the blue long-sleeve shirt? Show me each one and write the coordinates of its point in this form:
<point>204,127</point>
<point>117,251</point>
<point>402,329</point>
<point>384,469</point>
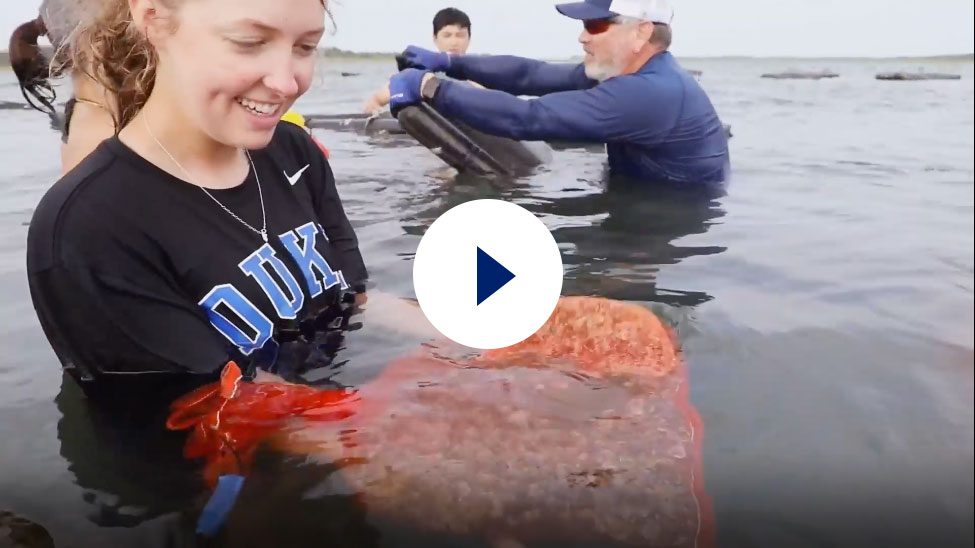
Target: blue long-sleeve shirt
<point>657,123</point>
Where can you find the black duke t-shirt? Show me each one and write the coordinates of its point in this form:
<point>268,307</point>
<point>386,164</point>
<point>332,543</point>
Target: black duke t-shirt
<point>134,271</point>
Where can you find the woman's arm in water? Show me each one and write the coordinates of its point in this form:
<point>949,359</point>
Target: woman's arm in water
<point>376,101</point>
<point>396,314</point>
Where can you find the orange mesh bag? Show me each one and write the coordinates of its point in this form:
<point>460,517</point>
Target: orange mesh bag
<point>599,336</point>
<point>582,433</point>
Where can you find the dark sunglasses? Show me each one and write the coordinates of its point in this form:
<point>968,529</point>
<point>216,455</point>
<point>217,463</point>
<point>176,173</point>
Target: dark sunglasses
<point>597,26</point>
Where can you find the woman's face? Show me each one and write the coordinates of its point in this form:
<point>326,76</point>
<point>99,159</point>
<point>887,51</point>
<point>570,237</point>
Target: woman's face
<point>235,66</point>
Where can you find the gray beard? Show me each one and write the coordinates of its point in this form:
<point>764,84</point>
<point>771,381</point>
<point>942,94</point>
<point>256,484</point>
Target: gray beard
<point>601,72</point>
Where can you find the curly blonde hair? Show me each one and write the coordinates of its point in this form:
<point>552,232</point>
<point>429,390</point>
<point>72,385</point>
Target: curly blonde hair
<point>111,50</point>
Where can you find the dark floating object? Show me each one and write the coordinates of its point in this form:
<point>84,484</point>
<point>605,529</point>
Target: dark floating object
<point>694,72</point>
<point>13,105</point>
<point>470,150</point>
<point>917,76</point>
<point>357,123</point>
<point>800,75</point>
<point>19,532</point>
<point>347,74</point>
<point>384,123</point>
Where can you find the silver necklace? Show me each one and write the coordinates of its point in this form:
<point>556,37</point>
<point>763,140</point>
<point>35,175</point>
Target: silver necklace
<point>263,231</point>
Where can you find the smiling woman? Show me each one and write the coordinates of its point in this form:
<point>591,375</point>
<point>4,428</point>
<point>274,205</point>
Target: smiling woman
<point>204,231</point>
<point>124,48</point>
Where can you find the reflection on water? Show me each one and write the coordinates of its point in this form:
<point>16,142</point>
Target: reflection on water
<point>130,469</point>
<point>625,234</point>
<point>614,235</point>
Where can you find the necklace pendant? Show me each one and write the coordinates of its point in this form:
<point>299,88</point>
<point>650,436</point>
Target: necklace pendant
<point>264,235</point>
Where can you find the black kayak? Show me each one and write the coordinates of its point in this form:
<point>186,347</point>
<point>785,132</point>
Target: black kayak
<point>469,150</point>
<point>357,123</point>
<point>458,145</point>
<point>366,124</point>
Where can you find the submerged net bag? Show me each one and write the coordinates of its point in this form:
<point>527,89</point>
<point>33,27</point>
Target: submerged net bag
<point>583,433</point>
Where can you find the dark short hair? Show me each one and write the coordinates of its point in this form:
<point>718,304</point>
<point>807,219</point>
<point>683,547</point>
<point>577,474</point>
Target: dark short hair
<point>662,35</point>
<point>451,16</point>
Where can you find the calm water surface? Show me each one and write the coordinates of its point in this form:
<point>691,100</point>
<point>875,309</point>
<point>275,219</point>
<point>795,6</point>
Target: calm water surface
<point>825,308</point>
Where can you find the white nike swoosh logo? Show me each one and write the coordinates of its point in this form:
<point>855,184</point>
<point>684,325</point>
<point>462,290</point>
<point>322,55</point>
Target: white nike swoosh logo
<point>294,178</point>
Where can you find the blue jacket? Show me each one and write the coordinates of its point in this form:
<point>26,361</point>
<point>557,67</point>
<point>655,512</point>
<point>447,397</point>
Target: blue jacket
<point>657,123</point>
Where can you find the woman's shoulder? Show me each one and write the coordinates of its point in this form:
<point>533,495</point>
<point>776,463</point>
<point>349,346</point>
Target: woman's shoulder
<point>76,203</point>
<point>75,183</point>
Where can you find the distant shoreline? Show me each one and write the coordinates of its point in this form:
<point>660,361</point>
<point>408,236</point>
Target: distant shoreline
<point>336,53</point>
<point>957,57</point>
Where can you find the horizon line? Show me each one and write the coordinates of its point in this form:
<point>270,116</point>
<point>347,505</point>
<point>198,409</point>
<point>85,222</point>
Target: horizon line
<point>327,49</point>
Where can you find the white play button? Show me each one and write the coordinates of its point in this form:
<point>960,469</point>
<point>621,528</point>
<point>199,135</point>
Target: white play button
<point>487,274</point>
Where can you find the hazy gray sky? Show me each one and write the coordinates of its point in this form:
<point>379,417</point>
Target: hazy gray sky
<point>701,27</point>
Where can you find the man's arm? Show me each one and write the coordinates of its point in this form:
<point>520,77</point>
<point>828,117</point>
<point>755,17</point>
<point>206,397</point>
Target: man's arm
<point>519,76</point>
<point>620,109</point>
<point>376,101</point>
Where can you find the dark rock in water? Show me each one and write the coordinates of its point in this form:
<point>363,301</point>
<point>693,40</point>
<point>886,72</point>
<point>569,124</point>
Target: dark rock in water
<point>917,76</point>
<point>347,74</point>
<point>17,532</point>
<point>13,105</point>
<point>693,72</point>
<point>800,75</point>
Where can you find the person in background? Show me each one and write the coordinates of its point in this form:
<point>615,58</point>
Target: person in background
<point>629,92</point>
<point>89,113</point>
<point>451,35</point>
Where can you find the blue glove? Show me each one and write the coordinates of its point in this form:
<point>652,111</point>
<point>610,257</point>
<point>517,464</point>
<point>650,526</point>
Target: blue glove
<point>425,59</point>
<point>404,89</point>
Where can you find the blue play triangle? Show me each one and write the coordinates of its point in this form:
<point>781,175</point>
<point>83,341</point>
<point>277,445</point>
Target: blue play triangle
<point>491,276</point>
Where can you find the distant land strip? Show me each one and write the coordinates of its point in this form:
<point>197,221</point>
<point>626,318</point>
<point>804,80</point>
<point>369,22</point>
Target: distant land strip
<point>336,53</point>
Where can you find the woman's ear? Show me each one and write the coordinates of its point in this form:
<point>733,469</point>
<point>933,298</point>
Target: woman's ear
<point>144,15</point>
<point>141,10</point>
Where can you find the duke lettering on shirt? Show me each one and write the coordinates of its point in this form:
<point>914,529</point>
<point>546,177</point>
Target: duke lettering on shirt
<point>277,282</point>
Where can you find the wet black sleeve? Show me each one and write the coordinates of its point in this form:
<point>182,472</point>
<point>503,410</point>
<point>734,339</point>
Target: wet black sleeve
<point>331,214</point>
<point>340,232</point>
<point>100,323</point>
<point>105,299</point>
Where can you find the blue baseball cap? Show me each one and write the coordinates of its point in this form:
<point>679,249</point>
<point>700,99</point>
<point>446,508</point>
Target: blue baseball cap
<point>655,11</point>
